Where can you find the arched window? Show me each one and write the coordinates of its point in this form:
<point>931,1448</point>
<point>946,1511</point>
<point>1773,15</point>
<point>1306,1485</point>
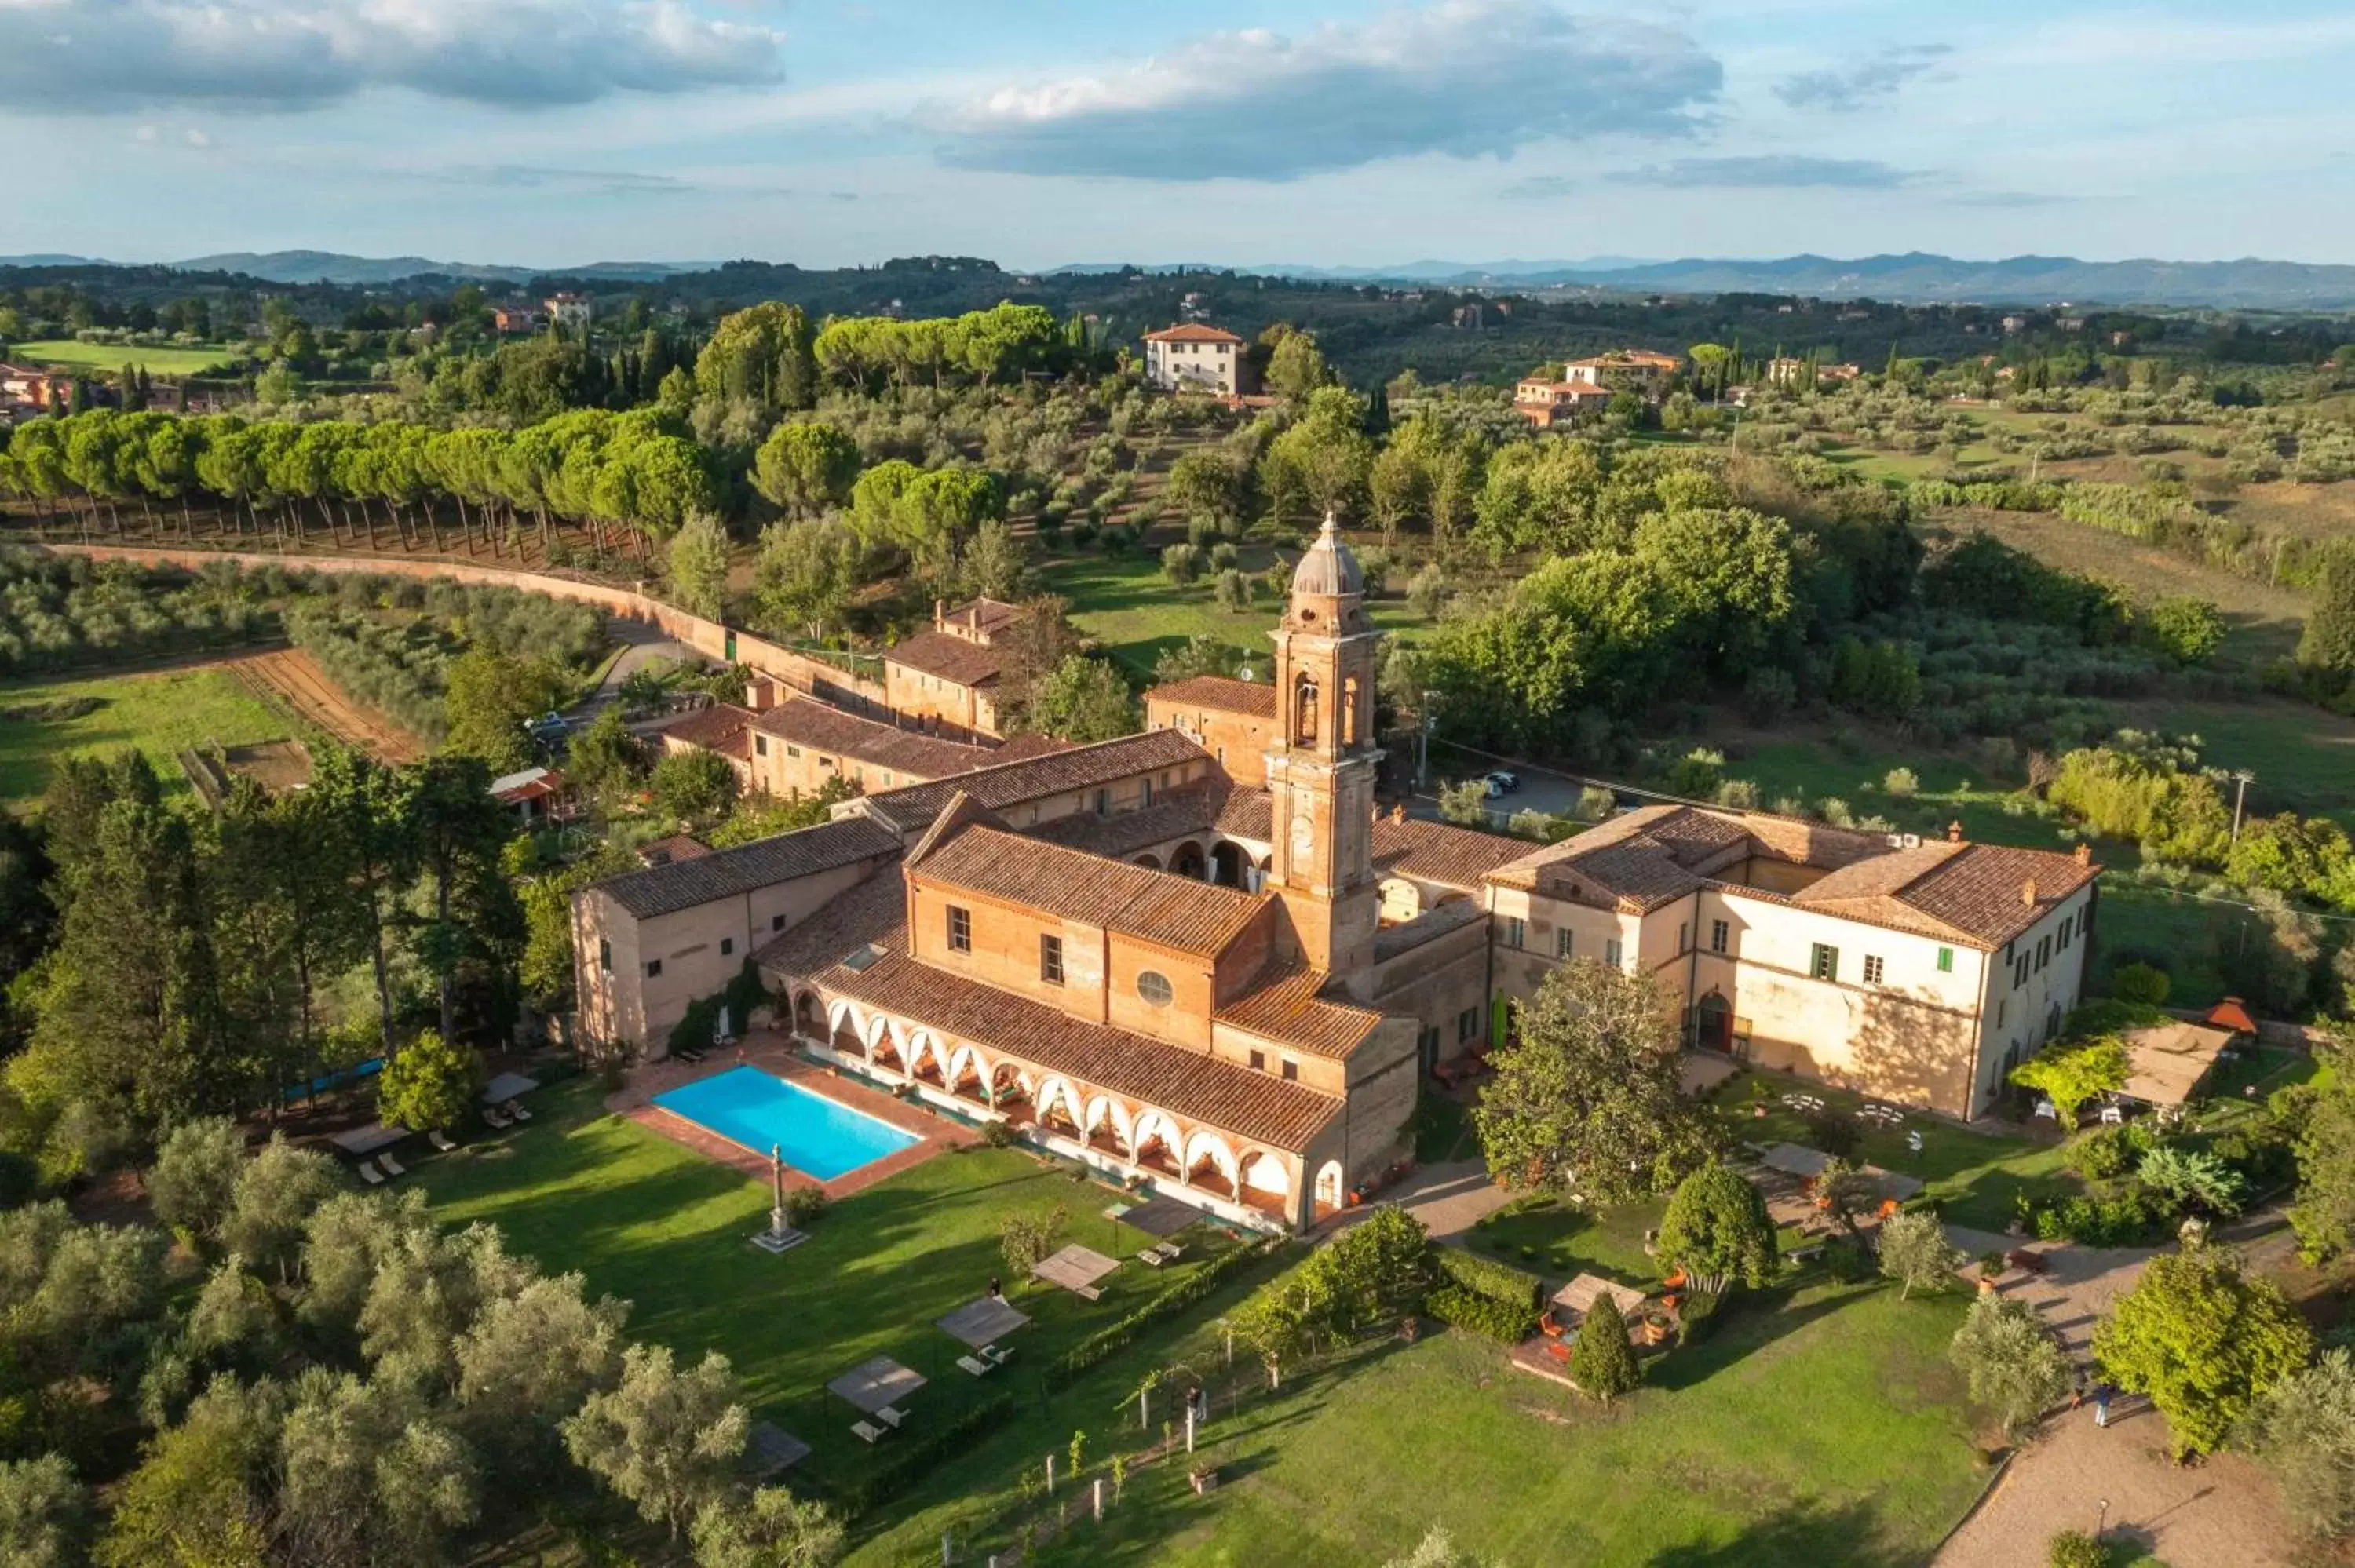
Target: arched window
<point>1304,712</point>
<point>1350,711</point>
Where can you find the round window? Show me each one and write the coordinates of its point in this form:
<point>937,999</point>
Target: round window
<point>1154,988</point>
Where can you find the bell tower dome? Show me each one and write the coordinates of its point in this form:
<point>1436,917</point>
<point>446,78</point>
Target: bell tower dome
<point>1321,768</point>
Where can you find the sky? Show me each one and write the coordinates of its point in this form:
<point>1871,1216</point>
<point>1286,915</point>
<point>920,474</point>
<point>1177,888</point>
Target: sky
<point>1041,133</point>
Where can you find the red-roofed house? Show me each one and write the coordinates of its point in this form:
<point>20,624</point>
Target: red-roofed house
<point>1193,357</point>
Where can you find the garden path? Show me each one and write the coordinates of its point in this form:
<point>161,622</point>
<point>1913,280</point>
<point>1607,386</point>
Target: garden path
<point>1449,1198</point>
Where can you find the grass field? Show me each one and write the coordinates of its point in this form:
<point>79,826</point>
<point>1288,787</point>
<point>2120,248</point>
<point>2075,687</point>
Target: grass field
<point>68,355</point>
<point>1125,602</point>
<point>1821,1425</point>
<point>161,714</point>
<point>652,1221</point>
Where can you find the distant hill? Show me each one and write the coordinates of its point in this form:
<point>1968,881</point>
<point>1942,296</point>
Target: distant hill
<point>1921,279</point>
<point>52,261</point>
<point>331,267</point>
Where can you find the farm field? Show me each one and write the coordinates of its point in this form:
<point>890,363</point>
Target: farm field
<point>161,712</point>
<point>293,678</point>
<point>69,355</point>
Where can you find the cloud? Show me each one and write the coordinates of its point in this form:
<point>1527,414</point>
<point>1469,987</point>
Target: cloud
<point>1542,188</point>
<point>1464,78</point>
<point>2013,199</point>
<point>1769,170</point>
<point>74,56</point>
<point>1853,87</point>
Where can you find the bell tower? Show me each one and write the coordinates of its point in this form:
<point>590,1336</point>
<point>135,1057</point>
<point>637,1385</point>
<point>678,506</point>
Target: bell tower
<point>1321,768</point>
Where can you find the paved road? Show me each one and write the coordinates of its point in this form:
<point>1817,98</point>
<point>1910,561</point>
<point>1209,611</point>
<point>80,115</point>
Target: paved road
<point>645,644</point>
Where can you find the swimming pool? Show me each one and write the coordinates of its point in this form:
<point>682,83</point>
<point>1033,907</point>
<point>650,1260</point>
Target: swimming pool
<point>816,1136</point>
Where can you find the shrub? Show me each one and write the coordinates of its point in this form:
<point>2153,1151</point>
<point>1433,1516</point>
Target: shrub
<point>1696,1316</point>
<point>1486,1276</point>
<point>1507,1322</point>
<point>2140,983</point>
<point>2106,1153</point>
<point>804,1205</point>
<point>1833,1131</point>
<point>1181,563</point>
<point>2015,1368</point>
<point>1901,783</point>
<point>1601,1362</point>
<point>2075,1549</point>
<point>1232,591</point>
<point>1000,1134</point>
<point>1848,1261</point>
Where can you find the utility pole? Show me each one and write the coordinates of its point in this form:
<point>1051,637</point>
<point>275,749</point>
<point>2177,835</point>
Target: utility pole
<point>2243,778</point>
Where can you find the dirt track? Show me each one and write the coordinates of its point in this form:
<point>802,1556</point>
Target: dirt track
<point>293,678</point>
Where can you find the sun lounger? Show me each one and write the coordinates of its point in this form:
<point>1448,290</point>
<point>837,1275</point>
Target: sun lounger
<point>497,1120</point>
<point>440,1140</point>
<point>978,1368</point>
<point>1088,1292</point>
<point>866,1434</point>
<point>995,1357</point>
<point>391,1167</point>
<point>370,1174</point>
<point>1150,1258</point>
<point>891,1417</point>
<point>1169,1252</point>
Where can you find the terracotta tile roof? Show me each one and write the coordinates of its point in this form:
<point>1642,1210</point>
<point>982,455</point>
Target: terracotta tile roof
<point>1288,1008</point>
<point>1037,778</point>
<point>1218,693</point>
<point>806,722</point>
<point>1439,853</point>
<point>1193,1086</point>
<point>873,912</point>
<point>1434,923</point>
<point>952,659</point>
<point>720,728</point>
<point>1248,814</point>
<point>1191,331</point>
<point>1017,748</point>
<point>1161,906</point>
<point>678,847</point>
<point>991,615</point>
<point>1622,864</point>
<point>1984,892</point>
<point>1190,809</point>
<point>765,863</point>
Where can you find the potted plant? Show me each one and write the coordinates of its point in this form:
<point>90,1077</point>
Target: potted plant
<point>1202,1470</point>
<point>1991,1264</point>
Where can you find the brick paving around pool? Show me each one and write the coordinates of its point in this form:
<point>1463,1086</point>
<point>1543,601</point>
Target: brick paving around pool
<point>771,1051</point>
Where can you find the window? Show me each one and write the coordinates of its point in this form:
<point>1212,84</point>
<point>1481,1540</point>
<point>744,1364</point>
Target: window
<point>760,745</point>
<point>1290,1070</point>
<point>1564,941</point>
<point>776,922</point>
<point>1104,802</point>
<point>1467,1024</point>
<point>2020,971</point>
<point>1610,952</point>
<point>1147,785</point>
<point>793,751</point>
<point>727,946</point>
<point>1153,987</point>
<point>2000,1009</point>
<point>1259,1061</point>
<point>605,955</point>
<point>1945,960</point>
<point>1873,969</point>
<point>960,930</point>
<point>1515,930</point>
<point>1719,936</point>
<point>1825,964</point>
<point>2043,954</point>
<point>1050,959</point>
<point>654,969</point>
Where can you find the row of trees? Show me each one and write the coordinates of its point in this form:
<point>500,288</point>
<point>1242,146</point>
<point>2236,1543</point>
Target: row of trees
<point>637,476</point>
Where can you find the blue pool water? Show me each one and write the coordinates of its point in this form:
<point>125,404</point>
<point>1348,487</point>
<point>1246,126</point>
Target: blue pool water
<point>818,1137</point>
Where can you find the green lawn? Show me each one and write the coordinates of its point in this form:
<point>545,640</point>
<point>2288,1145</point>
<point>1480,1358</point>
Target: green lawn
<point>649,1221</point>
<point>161,714</point>
<point>67,353</point>
<point>1821,1425</point>
<point>1125,602</point>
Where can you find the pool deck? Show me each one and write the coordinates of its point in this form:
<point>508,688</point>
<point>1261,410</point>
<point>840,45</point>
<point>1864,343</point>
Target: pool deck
<point>771,1050</point>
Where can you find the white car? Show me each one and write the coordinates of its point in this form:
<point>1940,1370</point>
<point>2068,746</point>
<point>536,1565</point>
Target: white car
<point>1501,782</point>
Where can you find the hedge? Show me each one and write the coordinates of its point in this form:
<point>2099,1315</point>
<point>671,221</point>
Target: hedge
<point>1486,1277</point>
<point>917,1456</point>
<point>695,1026</point>
<point>1115,1337</point>
<point>1508,1322</point>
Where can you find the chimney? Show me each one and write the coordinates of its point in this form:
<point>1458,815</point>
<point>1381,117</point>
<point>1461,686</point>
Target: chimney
<point>2084,854</point>
<point>973,616</point>
<point>940,613</point>
<point>1398,811</point>
<point>2027,893</point>
<point>1955,831</point>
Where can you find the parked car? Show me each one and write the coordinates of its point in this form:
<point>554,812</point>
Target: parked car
<point>1501,782</point>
